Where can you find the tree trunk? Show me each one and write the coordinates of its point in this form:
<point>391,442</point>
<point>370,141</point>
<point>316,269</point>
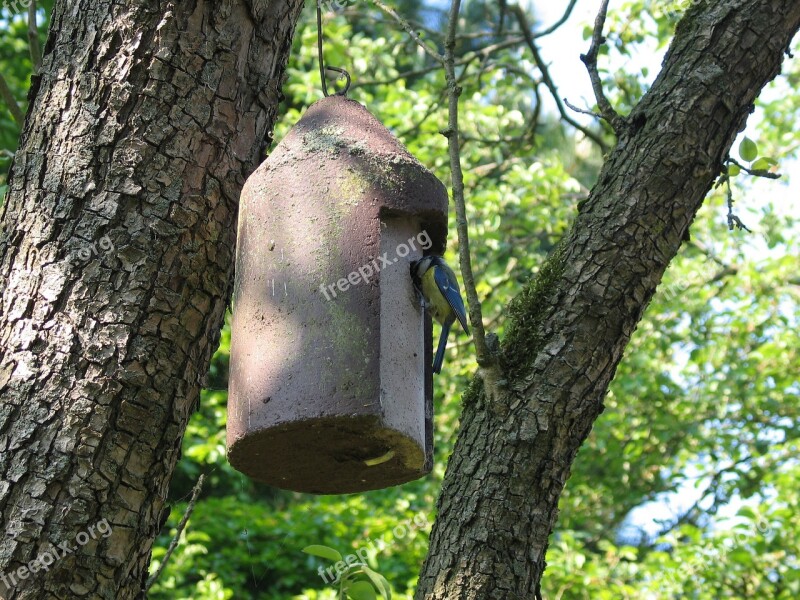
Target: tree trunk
<point>568,328</point>
<point>116,261</point>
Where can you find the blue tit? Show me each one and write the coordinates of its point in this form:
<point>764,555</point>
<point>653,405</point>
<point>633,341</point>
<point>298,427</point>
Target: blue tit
<point>438,285</point>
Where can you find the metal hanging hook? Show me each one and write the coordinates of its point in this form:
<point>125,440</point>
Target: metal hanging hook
<point>322,67</point>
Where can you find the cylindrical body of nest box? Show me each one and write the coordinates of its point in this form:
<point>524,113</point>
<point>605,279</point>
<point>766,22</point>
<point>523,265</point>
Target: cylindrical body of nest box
<point>330,378</point>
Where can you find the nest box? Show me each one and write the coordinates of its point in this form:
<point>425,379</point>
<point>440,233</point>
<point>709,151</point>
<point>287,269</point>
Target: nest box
<point>330,380</point>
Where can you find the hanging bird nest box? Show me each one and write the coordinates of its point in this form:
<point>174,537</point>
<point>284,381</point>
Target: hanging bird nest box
<point>330,378</point>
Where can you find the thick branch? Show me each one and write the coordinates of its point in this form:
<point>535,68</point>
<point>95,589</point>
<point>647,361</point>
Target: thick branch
<point>122,280</point>
<point>566,331</point>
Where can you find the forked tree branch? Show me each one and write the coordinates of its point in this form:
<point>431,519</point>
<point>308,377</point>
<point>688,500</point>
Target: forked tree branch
<point>486,360</point>
<point>522,20</point>
<point>589,59</point>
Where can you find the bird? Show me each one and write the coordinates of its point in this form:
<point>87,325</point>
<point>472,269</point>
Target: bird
<point>437,284</point>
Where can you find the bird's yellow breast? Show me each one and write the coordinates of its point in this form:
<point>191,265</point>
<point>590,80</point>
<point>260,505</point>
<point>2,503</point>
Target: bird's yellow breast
<point>437,304</point>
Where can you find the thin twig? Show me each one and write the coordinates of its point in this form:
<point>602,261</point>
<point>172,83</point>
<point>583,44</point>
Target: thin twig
<point>33,37</point>
<point>525,136</point>
<point>5,93</point>
<point>468,58</point>
<point>174,543</point>
<point>709,254</point>
<point>485,359</point>
<point>734,222</point>
<point>583,111</point>
<point>589,59</point>
<point>432,108</point>
<point>558,23</point>
<point>522,19</point>
<point>410,30</point>
<point>755,172</point>
<point>433,33</point>
<point>530,127</point>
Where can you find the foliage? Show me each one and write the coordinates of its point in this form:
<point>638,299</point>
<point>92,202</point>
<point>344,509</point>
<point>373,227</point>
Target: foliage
<point>355,578</point>
<point>687,486</point>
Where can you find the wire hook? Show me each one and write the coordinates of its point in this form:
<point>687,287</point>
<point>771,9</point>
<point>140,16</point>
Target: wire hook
<point>322,67</point>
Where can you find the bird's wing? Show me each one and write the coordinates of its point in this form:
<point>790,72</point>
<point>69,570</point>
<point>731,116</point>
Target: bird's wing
<point>450,292</point>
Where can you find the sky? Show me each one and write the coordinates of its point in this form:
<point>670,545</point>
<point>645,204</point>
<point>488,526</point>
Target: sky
<point>562,51</point>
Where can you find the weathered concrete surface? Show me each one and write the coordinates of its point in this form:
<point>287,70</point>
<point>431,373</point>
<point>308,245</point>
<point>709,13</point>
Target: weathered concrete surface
<point>330,387</point>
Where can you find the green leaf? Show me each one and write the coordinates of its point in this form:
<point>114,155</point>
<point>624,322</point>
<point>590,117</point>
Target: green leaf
<point>733,170</point>
<point>748,149</point>
<point>747,512</point>
<point>763,164</point>
<point>322,552</point>
<point>360,590</point>
<point>379,581</point>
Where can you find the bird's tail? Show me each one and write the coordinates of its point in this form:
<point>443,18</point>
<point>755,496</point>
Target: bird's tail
<point>439,358</point>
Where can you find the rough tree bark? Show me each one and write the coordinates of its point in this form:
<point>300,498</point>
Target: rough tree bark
<point>568,328</point>
<point>116,255</point>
